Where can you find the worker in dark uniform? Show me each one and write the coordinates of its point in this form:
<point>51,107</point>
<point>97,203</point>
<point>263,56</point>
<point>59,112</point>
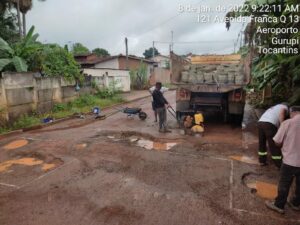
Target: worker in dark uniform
<point>160,104</point>
<point>268,125</point>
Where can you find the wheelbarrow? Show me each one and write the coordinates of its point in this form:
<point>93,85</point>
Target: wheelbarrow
<point>133,112</point>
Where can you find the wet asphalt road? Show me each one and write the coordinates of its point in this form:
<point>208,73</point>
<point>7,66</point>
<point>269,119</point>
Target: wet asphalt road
<point>122,171</point>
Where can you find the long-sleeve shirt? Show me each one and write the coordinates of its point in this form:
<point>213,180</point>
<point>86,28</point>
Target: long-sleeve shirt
<point>159,100</point>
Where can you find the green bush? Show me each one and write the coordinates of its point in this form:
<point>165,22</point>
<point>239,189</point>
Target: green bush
<point>105,93</point>
<point>25,121</point>
<point>108,92</point>
<point>84,100</point>
<point>59,107</point>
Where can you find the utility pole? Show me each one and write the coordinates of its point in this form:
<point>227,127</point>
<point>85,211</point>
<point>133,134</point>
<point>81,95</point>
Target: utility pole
<point>172,40</point>
<point>19,19</point>
<point>234,46</point>
<point>126,46</point>
<point>241,43</point>
<point>153,52</point>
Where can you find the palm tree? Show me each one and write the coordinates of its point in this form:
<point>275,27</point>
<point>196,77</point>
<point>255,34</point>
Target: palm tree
<point>22,6</point>
<point>25,6</point>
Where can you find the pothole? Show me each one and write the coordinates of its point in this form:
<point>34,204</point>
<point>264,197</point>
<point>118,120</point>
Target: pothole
<point>159,146</point>
<point>16,144</point>
<point>261,188</point>
<point>47,162</point>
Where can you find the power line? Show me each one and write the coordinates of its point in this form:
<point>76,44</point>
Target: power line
<point>192,42</point>
<point>160,24</point>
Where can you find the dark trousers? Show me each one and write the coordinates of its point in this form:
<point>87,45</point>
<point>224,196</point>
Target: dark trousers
<point>162,117</point>
<point>266,132</point>
<point>287,174</point>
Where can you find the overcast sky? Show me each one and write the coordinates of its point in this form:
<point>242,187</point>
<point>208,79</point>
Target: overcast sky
<point>105,24</point>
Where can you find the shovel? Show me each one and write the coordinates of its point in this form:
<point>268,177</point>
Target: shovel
<point>172,111</point>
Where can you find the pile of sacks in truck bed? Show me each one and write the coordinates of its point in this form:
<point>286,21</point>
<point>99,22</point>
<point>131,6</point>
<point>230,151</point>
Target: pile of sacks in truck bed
<point>209,74</point>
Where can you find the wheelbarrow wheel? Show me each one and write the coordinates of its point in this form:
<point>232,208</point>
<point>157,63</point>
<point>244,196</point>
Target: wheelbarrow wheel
<point>142,115</point>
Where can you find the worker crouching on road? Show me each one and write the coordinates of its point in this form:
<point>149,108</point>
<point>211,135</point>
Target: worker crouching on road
<point>267,127</point>
<point>160,104</point>
<point>194,125</point>
<point>288,136</point>
<point>198,128</point>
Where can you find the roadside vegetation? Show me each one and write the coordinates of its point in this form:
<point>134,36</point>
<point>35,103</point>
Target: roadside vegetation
<point>21,51</point>
<point>278,71</point>
<point>138,77</point>
<point>82,105</point>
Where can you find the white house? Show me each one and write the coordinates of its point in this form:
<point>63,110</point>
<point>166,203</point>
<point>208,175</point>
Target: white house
<point>108,77</point>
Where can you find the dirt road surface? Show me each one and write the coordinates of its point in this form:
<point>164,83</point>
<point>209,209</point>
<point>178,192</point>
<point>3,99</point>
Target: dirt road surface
<point>122,171</point>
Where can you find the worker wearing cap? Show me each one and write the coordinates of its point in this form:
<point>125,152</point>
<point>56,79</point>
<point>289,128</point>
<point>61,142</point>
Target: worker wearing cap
<point>288,136</point>
<point>268,125</point>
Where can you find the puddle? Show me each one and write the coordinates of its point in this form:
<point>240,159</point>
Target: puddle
<point>24,161</point>
<point>263,189</point>
<point>81,146</point>
<point>244,159</point>
<point>152,145</point>
<point>144,143</point>
<point>16,144</point>
<point>47,166</point>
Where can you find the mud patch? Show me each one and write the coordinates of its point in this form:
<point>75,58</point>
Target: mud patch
<point>119,215</point>
<point>16,144</point>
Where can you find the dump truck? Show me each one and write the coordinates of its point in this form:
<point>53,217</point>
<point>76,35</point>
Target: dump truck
<point>210,84</point>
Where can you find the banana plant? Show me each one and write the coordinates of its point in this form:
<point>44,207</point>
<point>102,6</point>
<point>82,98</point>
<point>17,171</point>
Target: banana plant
<point>15,56</point>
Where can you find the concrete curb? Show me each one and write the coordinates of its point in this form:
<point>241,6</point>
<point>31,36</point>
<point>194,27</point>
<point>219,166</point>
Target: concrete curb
<point>41,126</point>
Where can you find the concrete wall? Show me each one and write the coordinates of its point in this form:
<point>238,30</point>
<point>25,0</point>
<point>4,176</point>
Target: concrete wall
<point>105,77</point>
<point>112,64</point>
<point>160,75</point>
<point>24,93</point>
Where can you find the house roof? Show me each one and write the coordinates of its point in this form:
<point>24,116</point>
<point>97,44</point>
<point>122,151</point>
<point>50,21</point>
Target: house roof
<point>159,55</point>
<point>83,54</point>
<point>105,59</point>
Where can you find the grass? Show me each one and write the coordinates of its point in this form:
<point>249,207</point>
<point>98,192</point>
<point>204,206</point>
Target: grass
<point>83,104</point>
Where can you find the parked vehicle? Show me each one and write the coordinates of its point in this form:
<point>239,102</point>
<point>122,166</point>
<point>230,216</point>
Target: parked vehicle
<point>210,83</point>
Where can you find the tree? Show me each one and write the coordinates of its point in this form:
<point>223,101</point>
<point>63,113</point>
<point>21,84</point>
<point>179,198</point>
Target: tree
<point>101,52</point>
<point>79,48</point>
<point>138,76</point>
<point>15,57</point>
<point>149,53</point>
<point>21,6</point>
<point>8,27</point>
